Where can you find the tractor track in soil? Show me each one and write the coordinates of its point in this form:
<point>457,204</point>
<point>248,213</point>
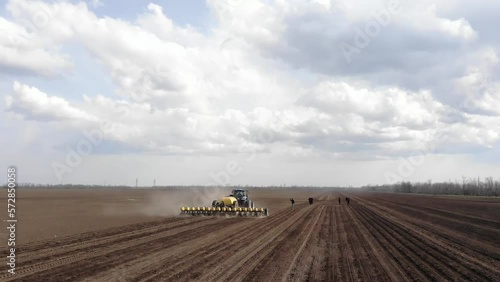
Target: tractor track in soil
<point>479,256</point>
<point>378,238</point>
<point>480,251</point>
<point>232,243</point>
<point>258,255</point>
<point>441,256</point>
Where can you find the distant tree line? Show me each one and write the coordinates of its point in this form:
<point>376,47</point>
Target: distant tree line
<point>467,186</point>
<point>94,186</point>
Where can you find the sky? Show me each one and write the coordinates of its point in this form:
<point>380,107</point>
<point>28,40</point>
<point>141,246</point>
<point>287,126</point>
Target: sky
<point>260,92</point>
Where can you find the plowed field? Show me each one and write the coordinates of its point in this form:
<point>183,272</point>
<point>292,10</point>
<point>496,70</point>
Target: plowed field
<point>378,237</point>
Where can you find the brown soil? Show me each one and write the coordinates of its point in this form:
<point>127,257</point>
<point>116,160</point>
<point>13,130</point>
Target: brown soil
<point>378,237</point>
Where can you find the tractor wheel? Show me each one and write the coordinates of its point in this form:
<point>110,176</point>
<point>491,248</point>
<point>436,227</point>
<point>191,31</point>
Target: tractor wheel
<point>214,204</point>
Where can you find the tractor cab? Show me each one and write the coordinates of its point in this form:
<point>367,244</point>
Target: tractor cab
<point>239,194</point>
<point>242,197</point>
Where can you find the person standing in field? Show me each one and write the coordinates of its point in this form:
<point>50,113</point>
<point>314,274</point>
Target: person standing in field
<point>347,200</point>
<point>339,200</point>
<point>293,203</point>
<point>311,201</point>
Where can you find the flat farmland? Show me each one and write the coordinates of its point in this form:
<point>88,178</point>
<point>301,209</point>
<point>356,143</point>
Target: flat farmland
<point>135,235</point>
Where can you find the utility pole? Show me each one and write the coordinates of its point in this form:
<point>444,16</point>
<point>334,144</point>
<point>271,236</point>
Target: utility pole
<point>136,182</point>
